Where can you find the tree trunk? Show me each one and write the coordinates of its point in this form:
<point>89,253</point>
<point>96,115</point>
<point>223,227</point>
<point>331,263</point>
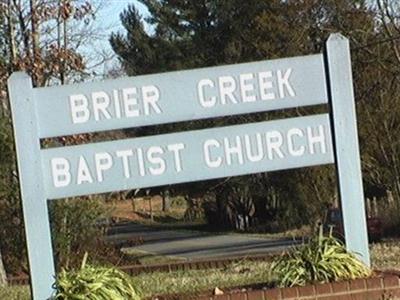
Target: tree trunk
<point>11,37</point>
<point>59,18</point>
<point>23,27</point>
<point>3,275</point>
<point>36,70</point>
<point>165,201</point>
<point>65,45</point>
<point>151,208</point>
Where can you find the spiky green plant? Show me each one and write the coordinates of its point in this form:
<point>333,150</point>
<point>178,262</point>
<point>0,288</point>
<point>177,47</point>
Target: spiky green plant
<point>94,283</point>
<point>323,259</point>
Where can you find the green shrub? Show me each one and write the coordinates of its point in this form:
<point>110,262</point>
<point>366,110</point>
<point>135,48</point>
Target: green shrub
<point>75,230</point>
<point>94,283</point>
<point>322,259</point>
<point>13,249</point>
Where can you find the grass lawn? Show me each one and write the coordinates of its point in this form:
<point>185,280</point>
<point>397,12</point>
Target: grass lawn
<point>198,281</point>
<point>15,293</point>
<point>237,274</point>
<point>384,256</point>
<point>147,258</point>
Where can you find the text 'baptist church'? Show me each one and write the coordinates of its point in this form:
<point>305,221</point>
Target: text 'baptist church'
<point>224,152</point>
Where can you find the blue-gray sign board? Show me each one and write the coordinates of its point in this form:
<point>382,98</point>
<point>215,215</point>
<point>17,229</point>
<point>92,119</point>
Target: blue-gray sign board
<point>190,155</point>
<point>187,156</point>
<point>181,96</point>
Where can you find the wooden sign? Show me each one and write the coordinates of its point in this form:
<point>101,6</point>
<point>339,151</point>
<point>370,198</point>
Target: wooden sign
<point>181,96</point>
<point>186,156</point>
<point>190,155</point>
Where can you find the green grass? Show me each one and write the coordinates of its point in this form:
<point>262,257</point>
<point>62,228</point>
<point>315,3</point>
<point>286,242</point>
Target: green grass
<point>15,293</point>
<point>200,281</point>
<point>384,255</point>
<point>180,282</point>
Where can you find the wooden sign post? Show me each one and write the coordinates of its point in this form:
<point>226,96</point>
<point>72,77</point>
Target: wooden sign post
<point>347,153</point>
<point>54,173</point>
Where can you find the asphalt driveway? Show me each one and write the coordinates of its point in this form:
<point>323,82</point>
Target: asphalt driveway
<point>195,245</point>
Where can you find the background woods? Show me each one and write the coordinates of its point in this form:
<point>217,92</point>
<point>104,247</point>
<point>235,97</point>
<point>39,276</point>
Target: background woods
<point>187,34</point>
<point>49,39</point>
<point>45,38</point>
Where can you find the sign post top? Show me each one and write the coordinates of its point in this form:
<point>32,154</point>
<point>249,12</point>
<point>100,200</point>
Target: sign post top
<point>20,78</point>
<point>337,37</point>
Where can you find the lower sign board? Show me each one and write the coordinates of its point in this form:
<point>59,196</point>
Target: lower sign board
<point>187,156</point>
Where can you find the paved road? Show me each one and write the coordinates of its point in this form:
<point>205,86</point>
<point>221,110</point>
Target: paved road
<point>194,245</point>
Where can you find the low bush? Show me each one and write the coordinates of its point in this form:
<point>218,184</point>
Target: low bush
<point>94,283</point>
<point>75,230</point>
<point>322,259</point>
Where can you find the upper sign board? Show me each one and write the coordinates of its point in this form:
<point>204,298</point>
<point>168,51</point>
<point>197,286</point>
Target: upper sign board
<point>181,96</point>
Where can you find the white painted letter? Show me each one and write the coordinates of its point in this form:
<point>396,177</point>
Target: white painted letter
<point>79,108</point>
<point>124,154</point>
<point>260,153</point>
<point>140,160</point>
<point>316,139</point>
<point>83,172</point>
<point>103,162</point>
<point>177,158</point>
<point>227,86</point>
<point>100,103</point>
<point>283,81</point>
<point>117,104</point>
<point>247,88</point>
<point>300,150</point>
<point>151,95</point>
<point>266,85</point>
<point>207,155</point>
<point>60,170</point>
<point>210,102</point>
<point>233,149</point>
<point>130,102</point>
<point>274,143</point>
<point>156,160</point>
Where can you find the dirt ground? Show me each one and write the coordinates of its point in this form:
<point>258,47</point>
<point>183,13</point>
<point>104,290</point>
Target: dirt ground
<point>141,208</point>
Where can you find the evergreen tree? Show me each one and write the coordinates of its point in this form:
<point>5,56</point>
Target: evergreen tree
<point>189,33</point>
